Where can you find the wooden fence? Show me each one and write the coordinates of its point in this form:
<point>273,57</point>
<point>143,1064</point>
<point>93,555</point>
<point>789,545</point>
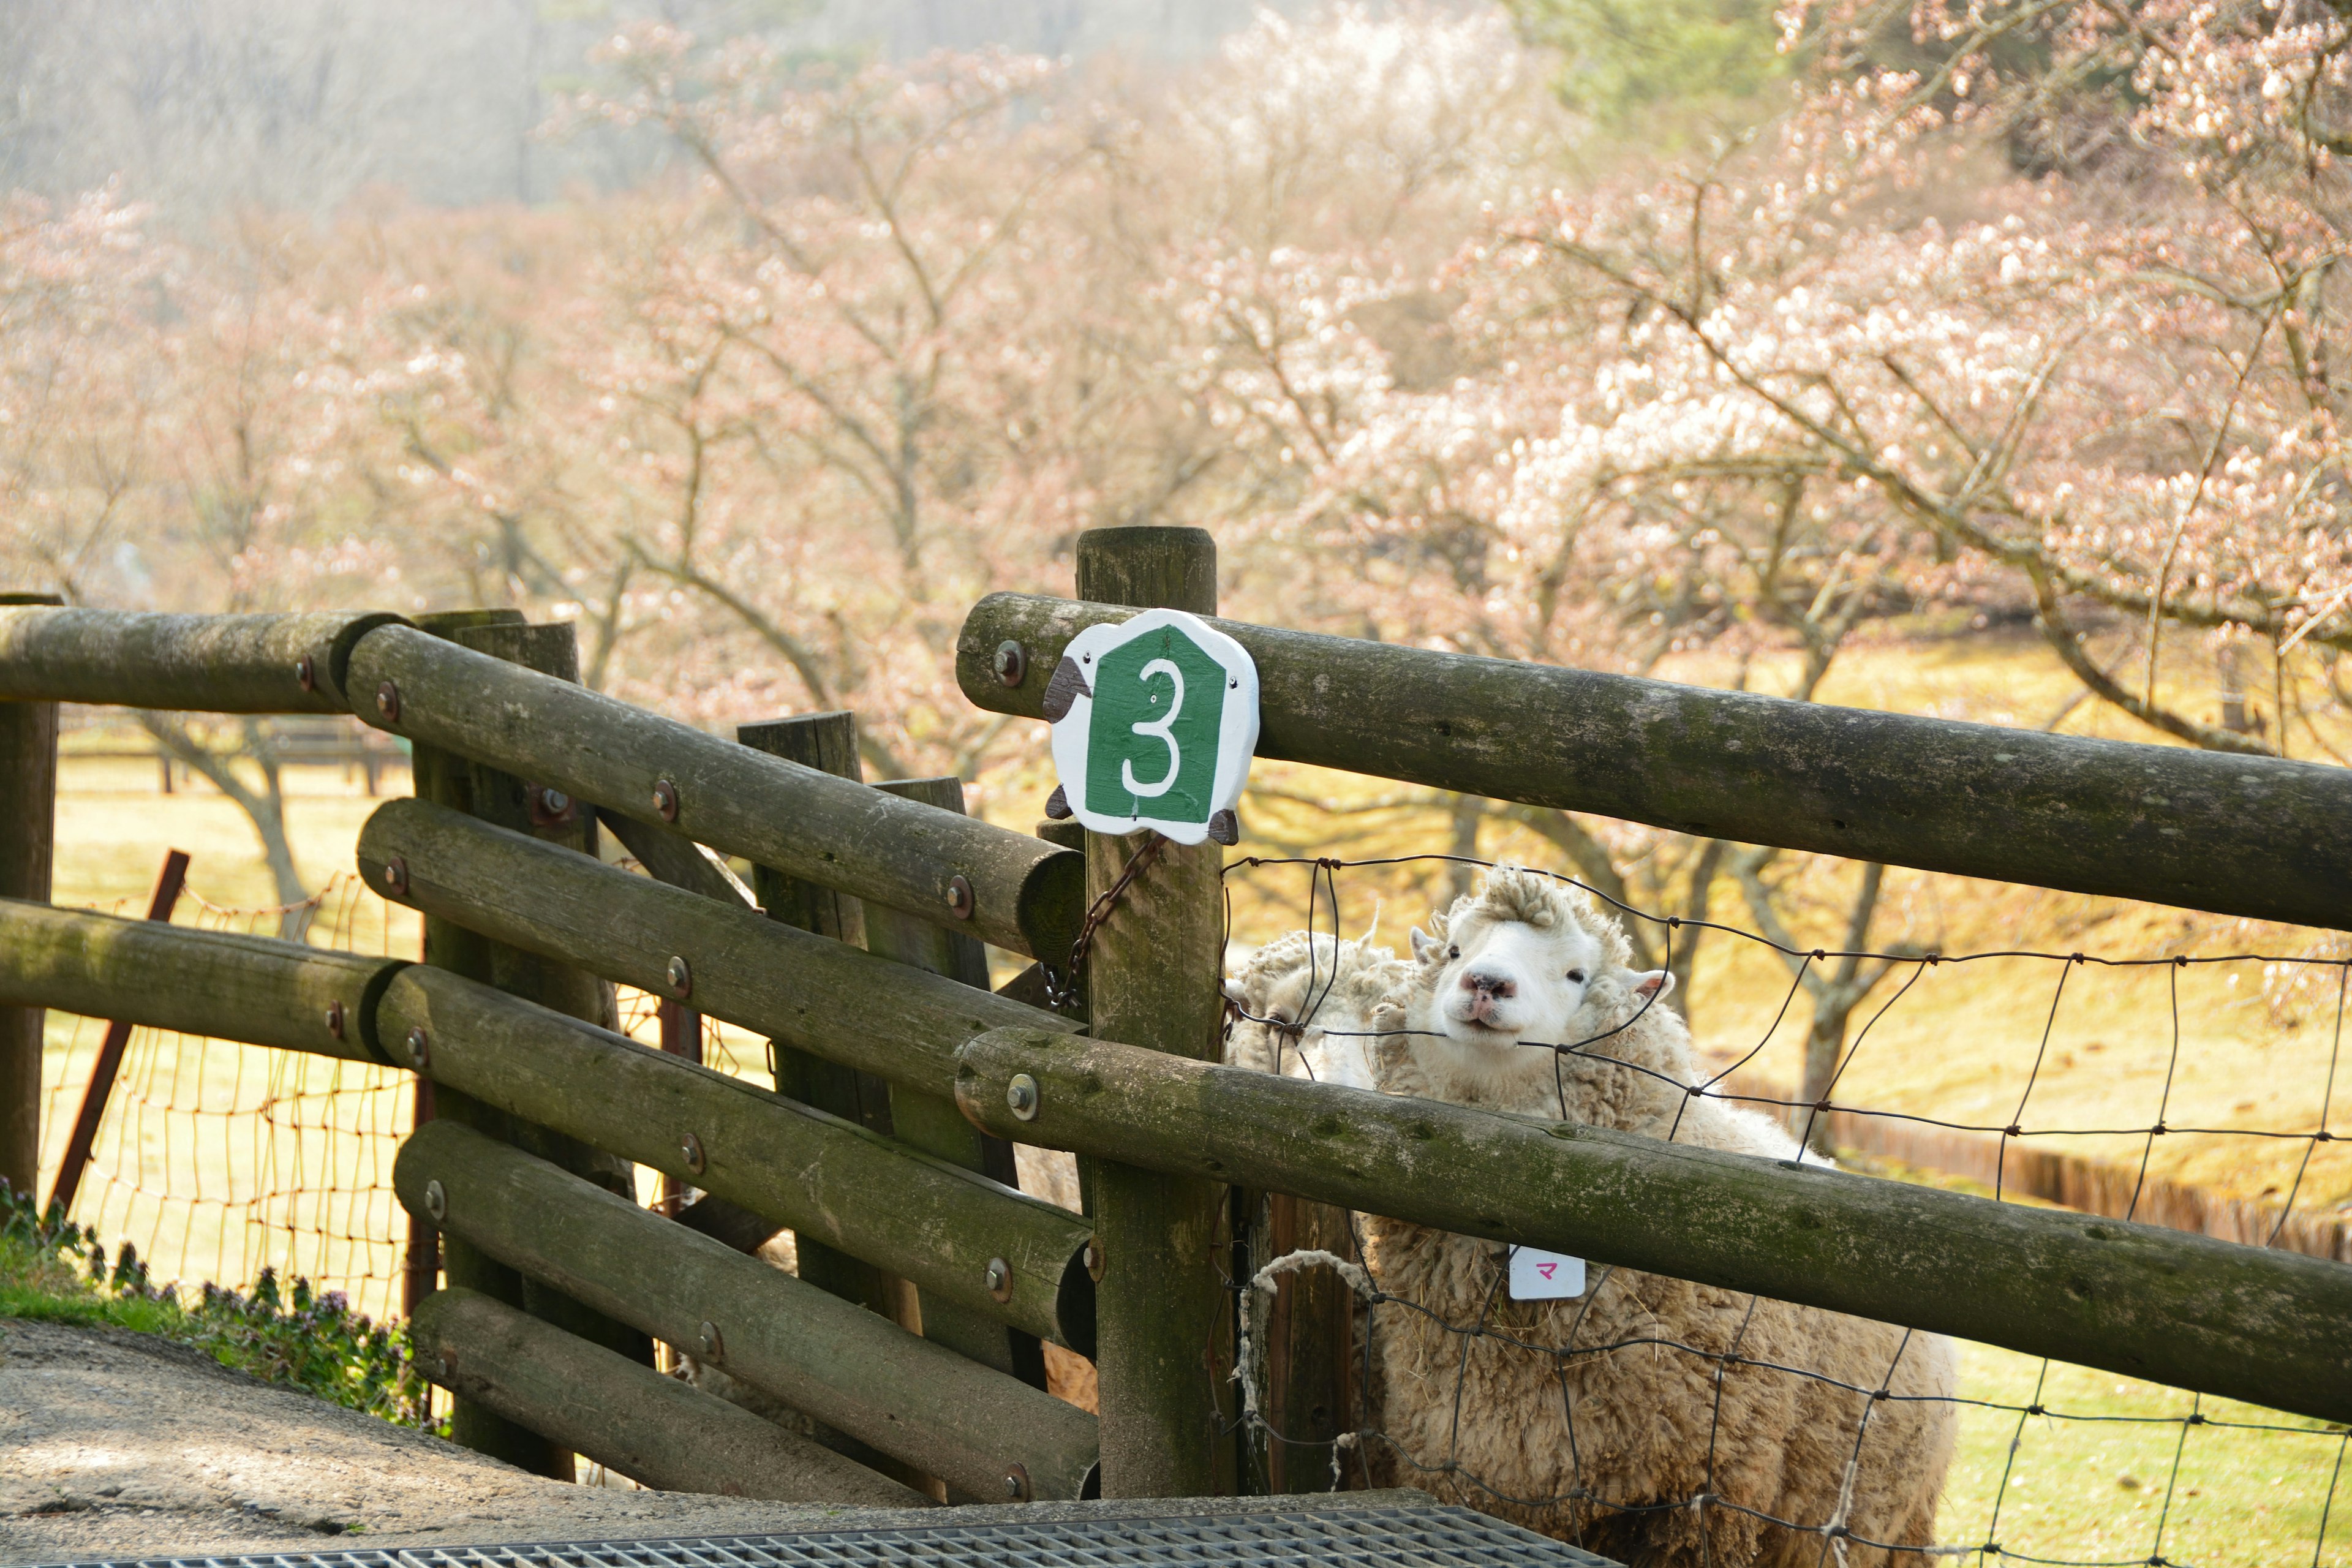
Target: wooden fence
<point>901,1081</point>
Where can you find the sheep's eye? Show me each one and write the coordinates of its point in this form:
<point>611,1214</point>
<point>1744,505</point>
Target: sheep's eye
<point>1453,952</point>
<point>1576,975</point>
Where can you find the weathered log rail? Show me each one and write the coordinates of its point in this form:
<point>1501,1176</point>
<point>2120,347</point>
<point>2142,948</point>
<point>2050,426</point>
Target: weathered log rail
<point>2269,1327</point>
<point>917,1216</point>
<point>807,992</point>
<point>2255,836</point>
<point>1016,891</point>
<point>900,1394</point>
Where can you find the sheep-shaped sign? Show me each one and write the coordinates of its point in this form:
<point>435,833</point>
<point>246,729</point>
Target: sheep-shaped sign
<point>1154,721</point>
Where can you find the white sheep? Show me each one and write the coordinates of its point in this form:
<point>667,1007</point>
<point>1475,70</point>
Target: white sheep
<point>1633,1427</point>
<point>1305,1002</point>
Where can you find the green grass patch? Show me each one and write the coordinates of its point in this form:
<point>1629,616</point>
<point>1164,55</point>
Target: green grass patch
<point>54,1272</point>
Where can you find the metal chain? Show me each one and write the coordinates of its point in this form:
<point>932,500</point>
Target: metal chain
<point>1062,992</point>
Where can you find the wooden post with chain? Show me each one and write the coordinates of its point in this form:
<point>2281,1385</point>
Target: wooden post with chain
<point>1151,976</point>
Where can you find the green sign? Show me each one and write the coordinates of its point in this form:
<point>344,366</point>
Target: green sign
<point>1154,724</point>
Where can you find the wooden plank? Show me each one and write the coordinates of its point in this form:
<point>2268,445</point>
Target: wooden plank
<point>28,810</point>
<point>1310,1366</point>
<point>207,664</point>
<point>858,1373</point>
<point>807,992</point>
<point>519,806</point>
<point>826,743</point>
<point>930,1121</point>
<point>582,1397</point>
<point>225,984</point>
<point>2255,836</point>
<point>447,779</point>
<point>2271,1327</point>
<point>735,798</point>
<point>168,883</point>
<point>1152,980</point>
<point>844,1186</point>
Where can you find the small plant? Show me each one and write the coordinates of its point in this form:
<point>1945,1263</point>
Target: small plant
<point>53,1270</point>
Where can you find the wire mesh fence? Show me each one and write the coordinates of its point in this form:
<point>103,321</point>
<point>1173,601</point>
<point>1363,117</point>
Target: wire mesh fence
<point>1644,1413</point>
<point>216,1160</point>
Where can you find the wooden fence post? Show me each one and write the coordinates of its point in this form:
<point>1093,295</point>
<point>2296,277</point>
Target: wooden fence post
<point>28,815</point>
<point>828,742</point>
<point>932,1122</point>
<point>1310,1328</point>
<point>1152,975</point>
<point>516,804</point>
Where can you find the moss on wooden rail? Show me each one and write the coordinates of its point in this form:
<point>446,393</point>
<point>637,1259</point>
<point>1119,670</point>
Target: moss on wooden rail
<point>928,1221</point>
<point>629,1417</point>
<point>858,1373</point>
<point>809,991</point>
<point>214,664</point>
<point>222,984</point>
<point>2272,1328</point>
<point>2243,835</point>
<point>1025,894</point>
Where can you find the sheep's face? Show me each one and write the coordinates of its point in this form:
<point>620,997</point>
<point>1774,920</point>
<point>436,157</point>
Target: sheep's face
<point>1503,982</point>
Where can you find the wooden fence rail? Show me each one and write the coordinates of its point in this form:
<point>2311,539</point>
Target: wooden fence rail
<point>2239,835</point>
<point>625,1416</point>
<point>256,989</point>
<point>2274,1328</point>
<point>2269,1327</point>
<point>1012,890</point>
<point>899,1393</point>
<point>825,1178</point>
<point>806,992</point>
<point>200,664</point>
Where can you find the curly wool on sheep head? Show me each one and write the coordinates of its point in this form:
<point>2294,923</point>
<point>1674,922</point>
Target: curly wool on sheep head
<point>1512,962</point>
<point>1306,1003</point>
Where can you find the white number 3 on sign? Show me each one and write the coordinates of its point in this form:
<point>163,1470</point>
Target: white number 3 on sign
<point>1545,1276</point>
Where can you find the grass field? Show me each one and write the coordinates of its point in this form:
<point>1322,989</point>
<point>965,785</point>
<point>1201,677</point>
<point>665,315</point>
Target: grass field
<point>2231,1050</point>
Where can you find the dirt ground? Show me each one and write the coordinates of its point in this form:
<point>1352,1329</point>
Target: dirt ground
<point>116,1446</point>
<point>120,1445</point>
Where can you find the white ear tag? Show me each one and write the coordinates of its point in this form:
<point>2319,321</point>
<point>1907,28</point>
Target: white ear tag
<point>1545,1276</point>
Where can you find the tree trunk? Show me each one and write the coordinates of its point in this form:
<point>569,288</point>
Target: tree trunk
<point>265,809</point>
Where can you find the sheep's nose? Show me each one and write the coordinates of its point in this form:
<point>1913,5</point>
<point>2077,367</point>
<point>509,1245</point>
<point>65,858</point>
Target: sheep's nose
<point>1489,984</point>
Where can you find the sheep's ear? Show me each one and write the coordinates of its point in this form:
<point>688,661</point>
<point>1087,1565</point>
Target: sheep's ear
<point>1424,944</point>
<point>1656,984</point>
<point>1235,995</point>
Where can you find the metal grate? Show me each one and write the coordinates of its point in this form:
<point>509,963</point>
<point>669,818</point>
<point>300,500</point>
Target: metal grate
<point>1435,1537</point>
